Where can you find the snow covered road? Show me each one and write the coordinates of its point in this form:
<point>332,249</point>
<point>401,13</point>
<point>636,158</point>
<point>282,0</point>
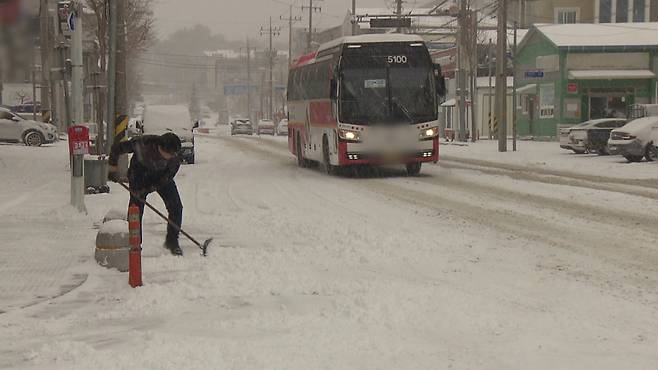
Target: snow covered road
<point>458,268</point>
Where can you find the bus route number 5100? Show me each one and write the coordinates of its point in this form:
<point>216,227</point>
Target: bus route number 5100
<point>397,59</point>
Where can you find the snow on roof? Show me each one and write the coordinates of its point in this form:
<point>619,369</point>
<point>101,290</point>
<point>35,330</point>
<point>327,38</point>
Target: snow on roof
<point>600,35</point>
<point>605,74</point>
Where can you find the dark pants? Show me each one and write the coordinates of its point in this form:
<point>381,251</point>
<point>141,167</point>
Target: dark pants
<point>171,198</point>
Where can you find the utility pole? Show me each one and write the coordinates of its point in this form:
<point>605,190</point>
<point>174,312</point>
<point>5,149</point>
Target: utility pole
<point>121,68</point>
<point>110,112</point>
<point>77,103</point>
<point>514,113</point>
<point>501,76</point>
<point>290,20</point>
<point>64,69</point>
<point>34,85</point>
<point>271,32</point>
<point>311,9</point>
<point>46,48</point>
<point>461,75</point>
<point>491,114</point>
<point>354,19</point>
<point>474,72</point>
<point>398,11</point>
<point>248,80</point>
<point>77,88</point>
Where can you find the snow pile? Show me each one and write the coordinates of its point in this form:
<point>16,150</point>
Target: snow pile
<point>113,227</point>
<point>549,156</point>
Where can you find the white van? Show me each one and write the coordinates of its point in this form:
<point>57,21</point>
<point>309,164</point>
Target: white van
<point>172,118</point>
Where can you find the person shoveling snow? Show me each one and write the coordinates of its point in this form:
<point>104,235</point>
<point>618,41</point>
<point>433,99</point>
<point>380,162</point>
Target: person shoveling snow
<point>153,166</point>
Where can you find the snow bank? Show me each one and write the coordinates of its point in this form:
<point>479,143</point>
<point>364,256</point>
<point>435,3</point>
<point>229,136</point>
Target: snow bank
<point>114,227</point>
<point>549,156</point>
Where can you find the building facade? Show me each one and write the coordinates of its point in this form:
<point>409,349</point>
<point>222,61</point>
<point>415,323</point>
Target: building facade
<point>571,73</point>
<point>528,12</point>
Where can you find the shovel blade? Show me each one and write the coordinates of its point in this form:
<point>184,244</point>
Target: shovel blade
<point>204,247</point>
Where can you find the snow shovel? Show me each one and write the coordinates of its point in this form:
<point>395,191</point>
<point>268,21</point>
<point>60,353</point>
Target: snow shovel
<point>204,246</point>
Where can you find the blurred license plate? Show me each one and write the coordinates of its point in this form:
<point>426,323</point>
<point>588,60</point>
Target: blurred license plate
<point>392,157</point>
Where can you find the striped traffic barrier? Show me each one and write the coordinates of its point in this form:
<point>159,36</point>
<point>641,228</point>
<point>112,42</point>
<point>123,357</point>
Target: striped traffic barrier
<point>121,128</point>
<point>135,257</point>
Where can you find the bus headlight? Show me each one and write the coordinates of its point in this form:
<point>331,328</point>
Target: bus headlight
<point>349,135</point>
<point>429,133</point>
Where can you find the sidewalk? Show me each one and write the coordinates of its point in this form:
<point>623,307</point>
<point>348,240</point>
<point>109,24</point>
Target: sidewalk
<point>43,239</point>
<point>546,157</point>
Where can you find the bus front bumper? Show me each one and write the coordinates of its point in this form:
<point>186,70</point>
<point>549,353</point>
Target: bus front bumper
<point>428,151</point>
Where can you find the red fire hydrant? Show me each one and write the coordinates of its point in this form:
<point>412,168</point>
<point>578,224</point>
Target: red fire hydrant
<point>135,254</point>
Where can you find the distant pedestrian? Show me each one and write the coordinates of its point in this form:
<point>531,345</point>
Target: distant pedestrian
<point>153,166</point>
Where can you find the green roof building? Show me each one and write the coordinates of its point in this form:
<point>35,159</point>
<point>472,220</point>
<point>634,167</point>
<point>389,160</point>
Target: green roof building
<point>569,73</point>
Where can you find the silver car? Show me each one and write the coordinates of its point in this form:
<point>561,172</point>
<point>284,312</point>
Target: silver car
<point>282,128</point>
<point>592,136</point>
<point>14,128</point>
<point>633,141</point>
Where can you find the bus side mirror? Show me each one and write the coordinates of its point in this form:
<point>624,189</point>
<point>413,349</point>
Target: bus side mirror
<point>333,92</point>
<point>440,80</point>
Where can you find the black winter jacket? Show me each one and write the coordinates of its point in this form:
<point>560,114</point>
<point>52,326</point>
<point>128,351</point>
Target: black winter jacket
<point>148,171</point>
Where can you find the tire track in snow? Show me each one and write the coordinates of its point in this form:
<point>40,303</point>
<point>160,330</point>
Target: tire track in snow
<point>611,246</point>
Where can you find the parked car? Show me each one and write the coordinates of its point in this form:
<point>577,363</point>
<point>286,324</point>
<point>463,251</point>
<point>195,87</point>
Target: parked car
<point>14,128</point>
<point>593,136</point>
<point>187,147</point>
<point>242,126</point>
<point>282,128</point>
<point>265,126</point>
<point>27,110</point>
<point>633,141</point>
<point>565,142</point>
<point>135,127</point>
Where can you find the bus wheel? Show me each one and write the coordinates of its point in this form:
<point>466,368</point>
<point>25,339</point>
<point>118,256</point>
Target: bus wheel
<point>413,169</point>
<point>301,162</point>
<point>326,161</point>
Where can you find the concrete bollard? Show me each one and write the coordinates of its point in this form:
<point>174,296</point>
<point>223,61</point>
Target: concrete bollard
<point>113,245</point>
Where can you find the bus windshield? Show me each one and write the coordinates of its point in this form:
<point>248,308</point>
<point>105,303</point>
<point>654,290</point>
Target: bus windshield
<point>387,84</point>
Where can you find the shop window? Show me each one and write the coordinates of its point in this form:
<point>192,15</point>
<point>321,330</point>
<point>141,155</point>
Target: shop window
<point>639,10</point>
<point>605,11</point>
<point>622,11</point>
<point>567,15</point>
<point>525,103</point>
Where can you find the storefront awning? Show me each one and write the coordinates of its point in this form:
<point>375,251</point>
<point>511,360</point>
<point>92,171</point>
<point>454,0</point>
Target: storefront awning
<point>449,103</point>
<point>527,89</point>
<point>614,74</point>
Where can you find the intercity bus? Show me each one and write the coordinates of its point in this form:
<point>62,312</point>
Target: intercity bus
<point>365,100</point>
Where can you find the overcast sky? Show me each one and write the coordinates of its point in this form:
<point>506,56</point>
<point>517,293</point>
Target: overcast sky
<point>237,19</point>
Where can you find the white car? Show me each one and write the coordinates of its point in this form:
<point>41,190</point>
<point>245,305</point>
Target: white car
<point>14,128</point>
<point>282,128</point>
<point>633,141</point>
<point>265,126</point>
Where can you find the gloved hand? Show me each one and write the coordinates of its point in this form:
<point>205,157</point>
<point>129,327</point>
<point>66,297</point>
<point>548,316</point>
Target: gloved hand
<point>113,176</point>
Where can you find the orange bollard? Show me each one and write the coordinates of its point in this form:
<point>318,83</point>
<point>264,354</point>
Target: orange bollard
<point>135,255</point>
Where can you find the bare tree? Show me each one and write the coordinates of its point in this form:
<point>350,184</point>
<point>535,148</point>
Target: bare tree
<point>139,23</point>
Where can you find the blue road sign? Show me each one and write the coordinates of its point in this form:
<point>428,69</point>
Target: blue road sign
<point>534,74</point>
